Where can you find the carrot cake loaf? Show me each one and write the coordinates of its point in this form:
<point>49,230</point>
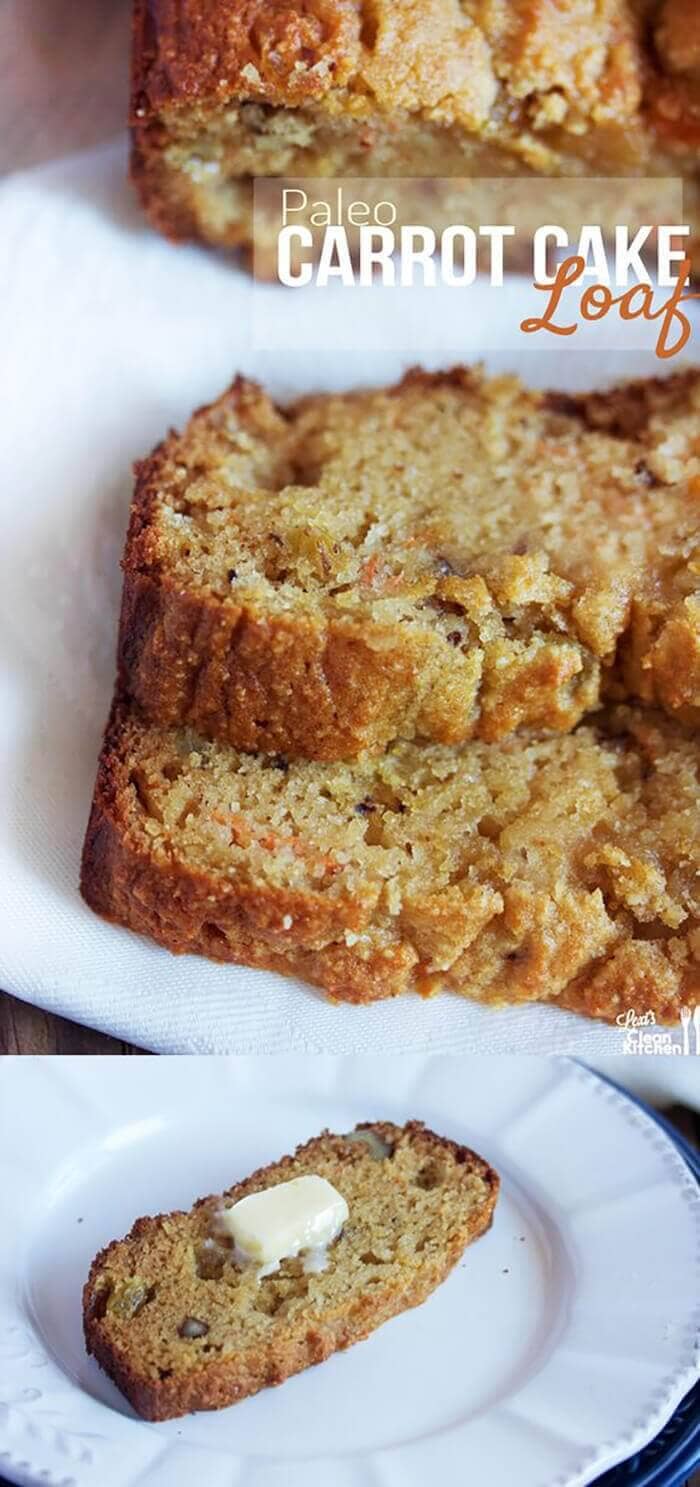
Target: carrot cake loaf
<point>562,869</point>
<point>182,1320</point>
<point>407,88</point>
<point>453,557</point>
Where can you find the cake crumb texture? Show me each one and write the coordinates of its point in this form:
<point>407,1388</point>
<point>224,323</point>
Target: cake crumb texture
<point>391,88</point>
<point>563,869</point>
<point>453,557</point>
<point>179,1326</point>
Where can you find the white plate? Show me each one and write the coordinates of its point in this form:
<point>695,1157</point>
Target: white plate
<point>109,335</point>
<point>559,1345</point>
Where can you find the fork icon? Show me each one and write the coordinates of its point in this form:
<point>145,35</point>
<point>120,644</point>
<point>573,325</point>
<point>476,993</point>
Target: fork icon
<point>696,1025</point>
<point>686,1016</point>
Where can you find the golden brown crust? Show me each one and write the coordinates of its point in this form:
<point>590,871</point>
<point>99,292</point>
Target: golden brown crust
<point>188,51</point>
<point>603,924</point>
<point>175,909</point>
<point>264,684</point>
<point>221,1382</point>
<point>603,88</point>
<point>121,880</point>
<point>318,684</point>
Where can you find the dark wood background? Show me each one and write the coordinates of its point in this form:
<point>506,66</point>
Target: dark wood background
<point>24,1029</point>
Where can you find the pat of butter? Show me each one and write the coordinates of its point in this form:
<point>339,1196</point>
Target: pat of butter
<point>279,1223</point>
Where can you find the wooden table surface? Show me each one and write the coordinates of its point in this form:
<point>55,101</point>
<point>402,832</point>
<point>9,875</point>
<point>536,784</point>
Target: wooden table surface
<point>26,1030</point>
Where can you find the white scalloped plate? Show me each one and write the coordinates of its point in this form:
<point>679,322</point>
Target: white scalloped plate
<point>560,1344</point>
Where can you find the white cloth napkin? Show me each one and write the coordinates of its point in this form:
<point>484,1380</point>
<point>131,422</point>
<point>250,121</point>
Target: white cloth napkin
<point>108,336</point>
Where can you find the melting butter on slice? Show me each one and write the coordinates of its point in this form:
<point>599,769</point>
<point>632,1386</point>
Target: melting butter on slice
<point>299,1217</point>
